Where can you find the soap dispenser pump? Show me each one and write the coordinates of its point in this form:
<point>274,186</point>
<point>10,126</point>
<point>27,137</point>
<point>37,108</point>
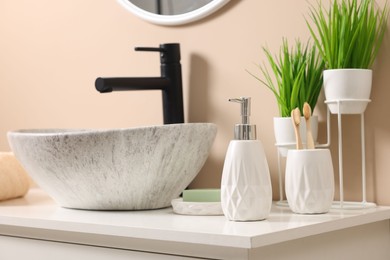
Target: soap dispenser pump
<point>246,192</point>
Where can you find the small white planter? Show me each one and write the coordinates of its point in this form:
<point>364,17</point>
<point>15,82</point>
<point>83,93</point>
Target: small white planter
<point>285,135</point>
<point>309,181</point>
<point>351,87</point>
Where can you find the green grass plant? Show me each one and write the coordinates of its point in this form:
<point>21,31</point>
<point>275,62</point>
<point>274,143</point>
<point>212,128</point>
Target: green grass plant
<point>296,76</point>
<point>349,34</point>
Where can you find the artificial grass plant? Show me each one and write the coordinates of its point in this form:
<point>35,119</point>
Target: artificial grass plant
<point>349,34</point>
<point>297,76</point>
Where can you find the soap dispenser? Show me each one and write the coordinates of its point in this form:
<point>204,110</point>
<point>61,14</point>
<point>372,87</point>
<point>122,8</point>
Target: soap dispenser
<point>246,192</point>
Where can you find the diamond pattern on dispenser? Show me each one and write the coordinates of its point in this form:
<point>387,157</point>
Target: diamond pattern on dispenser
<point>245,194</point>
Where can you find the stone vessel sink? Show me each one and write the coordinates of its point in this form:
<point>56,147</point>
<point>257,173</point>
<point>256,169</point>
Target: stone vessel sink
<point>120,169</point>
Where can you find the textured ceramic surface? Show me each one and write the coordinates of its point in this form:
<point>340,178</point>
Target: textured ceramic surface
<point>122,169</point>
<point>246,192</point>
<point>353,86</point>
<point>309,181</point>
<point>196,208</point>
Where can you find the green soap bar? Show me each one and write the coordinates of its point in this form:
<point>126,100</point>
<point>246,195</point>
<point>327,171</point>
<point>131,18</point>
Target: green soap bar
<point>202,195</point>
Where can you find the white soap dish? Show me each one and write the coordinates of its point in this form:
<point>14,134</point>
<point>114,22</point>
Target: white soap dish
<point>196,208</point>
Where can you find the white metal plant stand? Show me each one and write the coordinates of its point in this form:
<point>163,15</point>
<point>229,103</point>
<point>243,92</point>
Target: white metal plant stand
<point>337,204</point>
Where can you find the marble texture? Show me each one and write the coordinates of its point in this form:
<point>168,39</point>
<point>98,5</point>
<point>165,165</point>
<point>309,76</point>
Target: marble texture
<point>120,169</point>
<point>196,208</point>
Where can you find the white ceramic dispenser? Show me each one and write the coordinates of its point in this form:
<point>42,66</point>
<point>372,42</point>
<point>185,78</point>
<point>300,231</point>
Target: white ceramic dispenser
<point>246,192</point>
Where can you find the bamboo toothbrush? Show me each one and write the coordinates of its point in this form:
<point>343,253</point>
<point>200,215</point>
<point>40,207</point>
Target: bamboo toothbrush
<point>309,135</point>
<point>296,119</point>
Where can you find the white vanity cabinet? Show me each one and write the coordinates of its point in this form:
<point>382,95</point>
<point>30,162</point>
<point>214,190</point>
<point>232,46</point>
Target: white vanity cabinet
<point>35,228</point>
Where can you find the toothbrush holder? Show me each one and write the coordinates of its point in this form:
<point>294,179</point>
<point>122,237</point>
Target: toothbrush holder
<point>309,181</point>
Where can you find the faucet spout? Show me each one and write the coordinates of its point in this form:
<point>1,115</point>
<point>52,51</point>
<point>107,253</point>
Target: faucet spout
<point>105,85</point>
<point>170,82</point>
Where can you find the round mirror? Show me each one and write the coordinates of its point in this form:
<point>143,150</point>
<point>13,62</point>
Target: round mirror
<point>172,12</point>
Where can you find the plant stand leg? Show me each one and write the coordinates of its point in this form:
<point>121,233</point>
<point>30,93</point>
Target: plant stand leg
<point>365,204</point>
<point>280,178</point>
<point>342,203</point>
<point>364,191</point>
<point>340,137</point>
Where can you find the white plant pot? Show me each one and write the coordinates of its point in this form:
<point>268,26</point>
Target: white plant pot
<point>285,135</point>
<point>309,181</point>
<point>352,87</point>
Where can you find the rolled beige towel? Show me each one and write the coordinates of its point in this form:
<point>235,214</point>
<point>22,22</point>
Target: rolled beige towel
<point>14,181</point>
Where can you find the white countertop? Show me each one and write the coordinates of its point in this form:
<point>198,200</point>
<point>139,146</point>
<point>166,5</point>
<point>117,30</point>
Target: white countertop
<point>38,216</point>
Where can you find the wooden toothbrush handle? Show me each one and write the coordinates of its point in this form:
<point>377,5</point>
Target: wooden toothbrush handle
<point>299,145</point>
<point>309,136</point>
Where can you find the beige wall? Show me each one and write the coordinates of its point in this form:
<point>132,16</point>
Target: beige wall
<point>52,51</point>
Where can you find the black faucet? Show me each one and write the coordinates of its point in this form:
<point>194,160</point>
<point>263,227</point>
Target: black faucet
<point>170,82</point>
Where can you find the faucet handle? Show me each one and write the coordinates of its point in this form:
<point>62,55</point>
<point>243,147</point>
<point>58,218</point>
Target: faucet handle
<point>169,52</point>
<point>149,49</point>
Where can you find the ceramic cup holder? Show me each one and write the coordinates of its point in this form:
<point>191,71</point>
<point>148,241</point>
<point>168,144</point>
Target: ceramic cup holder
<point>309,181</point>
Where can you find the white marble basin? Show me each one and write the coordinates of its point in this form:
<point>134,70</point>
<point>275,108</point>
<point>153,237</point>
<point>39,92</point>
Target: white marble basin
<point>120,169</point>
